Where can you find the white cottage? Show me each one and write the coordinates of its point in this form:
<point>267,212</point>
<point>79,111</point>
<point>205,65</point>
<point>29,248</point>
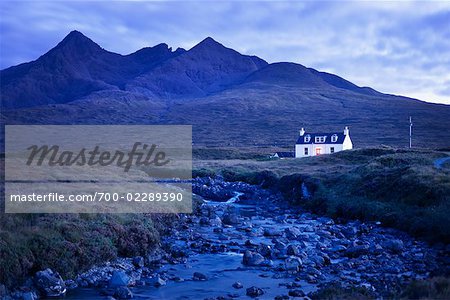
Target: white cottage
<point>310,144</point>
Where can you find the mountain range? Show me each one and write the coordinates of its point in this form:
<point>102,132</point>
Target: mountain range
<point>232,100</point>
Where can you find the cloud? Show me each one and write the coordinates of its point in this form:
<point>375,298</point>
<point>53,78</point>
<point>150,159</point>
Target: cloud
<point>399,47</point>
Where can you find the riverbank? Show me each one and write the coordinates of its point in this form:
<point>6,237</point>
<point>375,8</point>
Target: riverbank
<point>400,188</point>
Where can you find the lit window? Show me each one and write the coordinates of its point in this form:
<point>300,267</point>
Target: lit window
<point>332,150</point>
<point>306,151</point>
<point>334,138</point>
<point>307,138</point>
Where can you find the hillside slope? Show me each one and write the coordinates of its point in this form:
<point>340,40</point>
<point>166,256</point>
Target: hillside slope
<point>231,99</point>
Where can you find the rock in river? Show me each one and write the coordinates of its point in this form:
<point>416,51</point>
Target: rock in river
<point>50,283</point>
<point>293,264</point>
<point>123,293</point>
<point>119,278</point>
<point>252,258</point>
<point>199,277</point>
<point>254,292</point>
<point>230,219</point>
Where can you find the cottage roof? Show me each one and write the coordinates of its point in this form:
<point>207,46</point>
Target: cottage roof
<point>328,140</point>
<point>285,154</point>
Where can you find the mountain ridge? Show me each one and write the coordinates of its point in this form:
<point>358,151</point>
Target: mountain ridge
<point>232,100</point>
<point>77,66</point>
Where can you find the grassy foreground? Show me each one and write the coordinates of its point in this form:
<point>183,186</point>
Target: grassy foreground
<point>71,243</point>
<point>399,187</point>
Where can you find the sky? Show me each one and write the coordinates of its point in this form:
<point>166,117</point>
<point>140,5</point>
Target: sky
<point>396,47</point>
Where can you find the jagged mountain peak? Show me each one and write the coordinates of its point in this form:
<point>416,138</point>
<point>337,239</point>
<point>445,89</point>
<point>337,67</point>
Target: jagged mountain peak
<point>76,39</point>
<point>209,44</point>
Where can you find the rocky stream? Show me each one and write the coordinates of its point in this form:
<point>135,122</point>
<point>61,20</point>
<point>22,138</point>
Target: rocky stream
<point>245,242</point>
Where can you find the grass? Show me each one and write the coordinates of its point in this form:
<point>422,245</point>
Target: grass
<point>432,288</point>
<point>70,243</point>
<point>399,187</point>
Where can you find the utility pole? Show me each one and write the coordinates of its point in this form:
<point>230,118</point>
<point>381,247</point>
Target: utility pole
<point>410,132</point>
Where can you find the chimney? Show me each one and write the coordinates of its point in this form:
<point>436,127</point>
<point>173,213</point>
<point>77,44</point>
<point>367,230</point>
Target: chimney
<point>302,131</point>
<point>346,131</point>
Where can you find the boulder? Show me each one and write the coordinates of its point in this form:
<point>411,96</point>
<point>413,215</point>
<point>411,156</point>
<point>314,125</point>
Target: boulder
<point>138,262</point>
<point>296,293</point>
<point>230,219</point>
<point>292,250</point>
<point>396,246</point>
<point>237,285</point>
<point>357,251</point>
<point>254,292</point>
<point>178,252</point>
<point>216,221</point>
<point>265,250</point>
<point>157,281</point>
<point>199,277</point>
<point>272,232</point>
<point>119,278</point>
<point>338,248</point>
<point>293,264</point>
<point>252,258</point>
<point>50,283</point>
<point>204,221</point>
<point>292,233</point>
<point>123,292</point>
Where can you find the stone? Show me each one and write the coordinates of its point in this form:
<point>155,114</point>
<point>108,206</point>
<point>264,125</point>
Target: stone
<point>280,245</point>
<point>311,279</point>
<point>272,232</point>
<point>350,231</point>
<point>204,221</point>
<point>138,261</point>
<point>325,220</point>
<point>252,258</point>
<point>238,285</point>
<point>293,264</point>
<point>254,292</point>
<point>296,293</point>
<point>216,221</point>
<point>292,233</point>
<point>396,246</point>
<point>230,219</point>
<point>338,248</point>
<point>119,278</point>
<point>29,296</point>
<point>50,283</point>
<point>308,228</point>
<point>123,292</point>
<point>157,281</point>
<point>199,277</point>
<point>292,250</point>
<point>250,243</point>
<point>357,251</point>
<point>265,250</point>
<point>178,252</point>
<point>218,229</point>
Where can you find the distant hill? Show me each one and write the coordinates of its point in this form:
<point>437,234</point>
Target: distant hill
<point>231,99</point>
